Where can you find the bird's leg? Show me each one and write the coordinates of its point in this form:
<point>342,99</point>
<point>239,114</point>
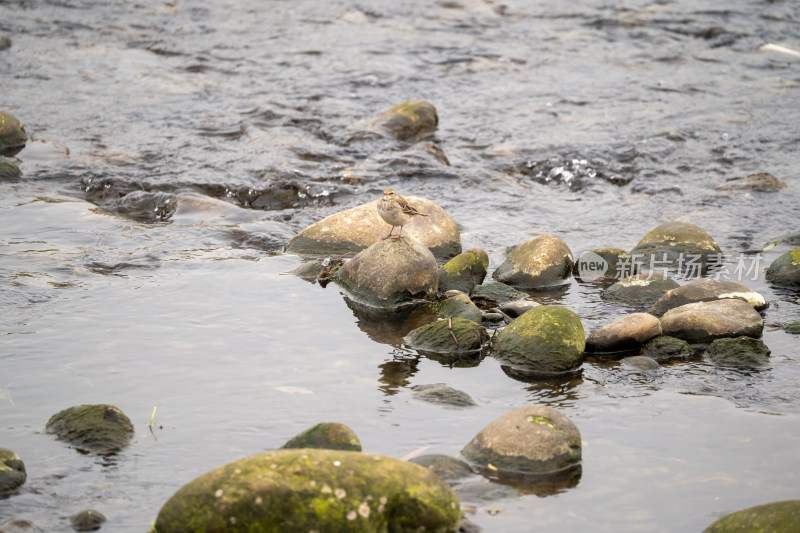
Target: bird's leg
<point>390,233</point>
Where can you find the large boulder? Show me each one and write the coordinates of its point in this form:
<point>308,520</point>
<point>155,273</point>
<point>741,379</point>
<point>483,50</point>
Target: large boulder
<point>785,270</point>
<point>739,351</point>
<point>639,290</point>
<point>464,271</point>
<point>12,134</point>
<point>776,517</point>
<point>706,290</point>
<point>12,472</point>
<point>676,243</point>
<point>413,120</point>
<point>92,428</point>
<point>390,273</point>
<point>541,262</point>
<point>350,231</point>
<point>702,322</point>
<point>628,332</point>
<point>326,435</point>
<point>313,490</point>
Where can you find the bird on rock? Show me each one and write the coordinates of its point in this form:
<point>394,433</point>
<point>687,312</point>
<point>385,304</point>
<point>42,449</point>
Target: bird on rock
<point>396,211</point>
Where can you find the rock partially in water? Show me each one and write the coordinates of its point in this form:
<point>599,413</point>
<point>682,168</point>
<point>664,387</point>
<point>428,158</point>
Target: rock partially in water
<point>352,230</point>
<point>785,270</point>
<point>390,274</point>
<point>640,290</point>
<point>12,472</point>
<point>516,308</point>
<point>628,332</point>
<point>739,351</point>
<point>541,262</point>
<point>443,394</point>
<point>495,293</point>
<point>5,43</point>
<point>759,182</point>
<point>444,466</point>
<point>792,327</point>
<point>666,348</point>
<point>464,271</point>
<point>413,120</point>
<point>19,525</point>
<point>615,263</point>
<point>702,322</point>
<point>326,435</point>
<point>8,170</point>
<point>92,428</point>
<point>545,340</point>
<point>642,363</point>
<point>534,439</point>
<point>12,134</point>
<point>313,490</point>
<point>676,243</point>
<point>89,520</point>
<point>776,517</point>
<point>458,304</point>
<point>453,337</point>
<point>706,290</point>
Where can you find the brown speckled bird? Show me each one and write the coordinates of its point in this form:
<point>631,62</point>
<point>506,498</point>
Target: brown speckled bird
<point>395,211</point>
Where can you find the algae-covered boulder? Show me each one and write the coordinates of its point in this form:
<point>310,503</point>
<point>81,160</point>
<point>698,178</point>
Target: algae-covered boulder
<point>540,262</point>
<point>455,336</point>
<point>12,134</point>
<point>534,439</point>
<point>666,348</point>
<point>792,327</point>
<point>89,520</point>
<point>739,351</point>
<point>785,270</point>
<point>443,394</point>
<point>313,490</point>
<point>390,273</point>
<point>413,120</point>
<point>702,322</point>
<point>640,290</point>
<point>495,293</point>
<point>12,472</point>
<point>352,230</point>
<point>458,304</point>
<point>444,466</point>
<point>545,340</point>
<point>776,517</point>
<point>464,271</point>
<point>759,182</point>
<point>327,435</point>
<point>706,290</point>
<point>628,332</point>
<point>676,243</point>
<point>92,428</point>
<point>8,170</point>
<point>603,264</point>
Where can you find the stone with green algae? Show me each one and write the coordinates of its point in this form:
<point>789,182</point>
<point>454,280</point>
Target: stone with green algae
<point>676,243</point>
<point>775,517</point>
<point>453,337</point>
<point>412,120</point>
<point>326,435</point>
<point>541,262</point>
<point>12,471</point>
<point>12,134</point>
<point>92,428</point>
<point>785,270</point>
<point>464,271</point>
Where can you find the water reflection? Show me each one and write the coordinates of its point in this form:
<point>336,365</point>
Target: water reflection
<point>389,326</point>
<point>396,374</point>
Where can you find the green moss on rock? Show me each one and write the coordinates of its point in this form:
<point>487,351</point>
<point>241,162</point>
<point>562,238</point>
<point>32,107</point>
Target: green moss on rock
<point>677,241</point>
<point>458,304</point>
<point>410,121</point>
<point>464,271</point>
<point>92,428</point>
<point>785,270</point>
<point>665,348</point>
<point>437,337</point>
<point>12,134</point>
<point>739,351</point>
<point>776,517</point>
<point>8,170</point>
<point>327,435</point>
<point>12,471</point>
<point>541,262</point>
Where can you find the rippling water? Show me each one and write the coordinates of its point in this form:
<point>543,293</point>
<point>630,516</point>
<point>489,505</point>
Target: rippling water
<point>175,148</point>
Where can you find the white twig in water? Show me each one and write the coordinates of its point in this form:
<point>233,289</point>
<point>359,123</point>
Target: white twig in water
<point>769,47</point>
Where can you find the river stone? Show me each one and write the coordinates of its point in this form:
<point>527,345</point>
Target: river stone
<point>533,439</point>
<point>792,327</point>
<point>543,261</point>
<point>413,120</point>
<point>705,290</point>
<point>92,428</point>
<point>5,43</point>
<point>390,273</point>
<point>776,517</point>
<point>443,394</point>
<point>676,242</point>
<point>8,170</point>
<point>516,308</point>
<point>759,182</point>
<point>618,263</point>
<point>327,435</point>
<point>702,322</point>
<point>641,362</point>
<point>547,339</point>
<point>785,270</point>
<point>458,304</point>
<point>352,230</point>
<point>640,290</point>
<point>89,520</point>
<point>739,351</point>
<point>622,334</point>
<point>19,525</point>
<point>313,490</point>
<point>464,271</point>
<point>12,472</point>
<point>12,134</point>
<point>666,348</point>
<point>437,337</point>
<point>495,293</point>
<point>444,466</point>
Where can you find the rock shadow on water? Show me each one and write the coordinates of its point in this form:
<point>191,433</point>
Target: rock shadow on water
<point>396,374</point>
<point>388,326</point>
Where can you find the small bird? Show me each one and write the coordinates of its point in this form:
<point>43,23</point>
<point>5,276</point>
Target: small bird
<point>395,211</point>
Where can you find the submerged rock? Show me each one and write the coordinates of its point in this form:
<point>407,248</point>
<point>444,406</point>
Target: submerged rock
<point>5,43</point>
<point>604,264</point>
<point>313,490</point>
<point>666,348</point>
<point>12,472</point>
<point>89,520</point>
<point>455,337</point>
<point>464,271</point>
<point>776,517</point>
<point>625,333</point>
<point>785,270</point>
<point>640,290</point>
<point>543,261</point>
<point>739,351</point>
<point>759,182</point>
<point>458,304</point>
<point>92,428</point>
<point>443,394</point>
<point>413,120</point>
<point>676,243</point>
<point>326,435</point>
<point>702,322</point>
<point>8,170</point>
<point>444,466</point>
<point>706,290</point>
<point>12,134</point>
<point>792,327</point>
<point>642,363</point>
<point>495,293</point>
<point>516,308</point>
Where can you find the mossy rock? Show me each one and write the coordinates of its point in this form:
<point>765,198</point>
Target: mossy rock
<point>313,490</point>
<point>12,472</point>
<point>458,305</point>
<point>759,182</point>
<point>443,394</point>
<point>89,520</point>
<point>677,242</point>
<point>495,293</point>
<point>785,270</point>
<point>326,435</point>
<point>464,271</point>
<point>413,120</point>
<point>92,428</point>
<point>444,466</point>
<point>547,339</point>
<point>739,351</point>
<point>9,170</point>
<point>541,262</point>
<point>12,134</point>
<point>706,290</point>
<point>792,327</point>
<point>640,290</point>
<point>776,517</point>
<point>666,348</point>
<point>437,337</point>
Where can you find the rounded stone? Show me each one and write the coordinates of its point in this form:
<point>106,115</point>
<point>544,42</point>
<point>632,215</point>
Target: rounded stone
<point>516,308</point>
<point>676,241</point>
<point>759,182</point>
<point>776,517</point>
<point>702,322</point>
<point>326,435</point>
<point>464,271</point>
<point>9,170</point>
<point>617,262</point>
<point>628,332</point>
<point>666,348</point>
<point>785,270</point>
<point>92,428</point>
<point>642,363</point>
<point>458,304</point>
<point>792,327</point>
<point>706,290</point>
<point>495,293</point>
<point>12,134</point>
<point>456,336</point>
<point>313,490</point>
<point>89,520</point>
<point>541,262</point>
<point>547,339</point>
<point>12,472</point>
<point>640,290</point>
<point>534,439</point>
<point>739,351</point>
<point>413,120</point>
<point>444,466</point>
<point>443,394</point>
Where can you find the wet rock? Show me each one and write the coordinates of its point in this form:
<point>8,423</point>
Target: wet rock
<point>702,322</point>
<point>641,362</point>
<point>785,270</point>
<point>327,435</point>
<point>516,308</point>
<point>543,261</point>
<point>309,270</point>
<point>676,243</point>
<point>484,491</point>
<point>495,293</point>
<point>625,333</point>
<point>534,439</point>
<point>547,339</point>
<point>8,170</point>
<point>666,348</point>
<point>443,394</point>
<point>494,317</point>
<point>352,230</point>
<point>604,264</point>
<point>458,304</point>
<point>12,472</point>
<point>706,290</point>
<point>89,520</point>
<point>438,337</point>
<point>792,327</point>
<point>760,182</point>
<point>739,351</point>
<point>776,517</point>
<point>5,43</point>
<point>313,490</point>
<point>390,274</point>
<point>444,466</point>
<point>12,134</point>
<point>413,120</point>
<point>92,428</point>
<point>464,271</point>
<point>19,525</point>
<point>640,290</point>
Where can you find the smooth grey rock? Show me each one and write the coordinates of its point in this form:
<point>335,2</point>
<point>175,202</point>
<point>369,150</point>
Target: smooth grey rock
<point>628,332</point>
<point>443,394</point>
<point>640,290</point>
<point>706,290</point>
<point>702,322</point>
<point>541,262</point>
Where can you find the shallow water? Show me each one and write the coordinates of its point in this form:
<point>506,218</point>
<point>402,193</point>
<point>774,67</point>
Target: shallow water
<point>123,280</point>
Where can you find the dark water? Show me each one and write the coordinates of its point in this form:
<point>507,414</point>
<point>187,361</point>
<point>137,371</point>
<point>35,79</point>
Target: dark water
<point>177,146</point>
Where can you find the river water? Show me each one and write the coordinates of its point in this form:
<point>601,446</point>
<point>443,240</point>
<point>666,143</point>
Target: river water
<point>176,147</point>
